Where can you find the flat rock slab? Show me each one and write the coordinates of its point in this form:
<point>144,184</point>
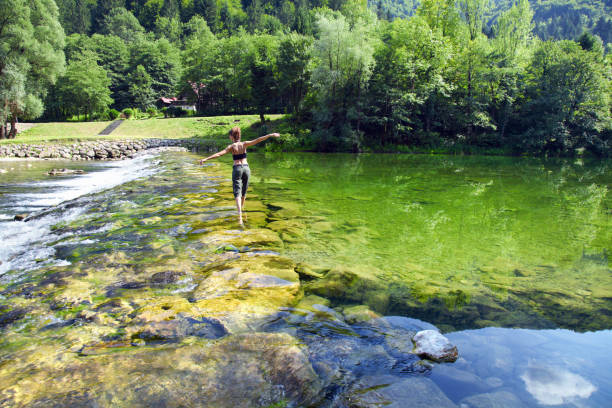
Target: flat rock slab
<point>394,392</point>
<point>251,370</point>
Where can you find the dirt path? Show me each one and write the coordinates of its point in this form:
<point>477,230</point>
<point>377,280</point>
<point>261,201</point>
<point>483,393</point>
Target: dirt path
<point>109,129</point>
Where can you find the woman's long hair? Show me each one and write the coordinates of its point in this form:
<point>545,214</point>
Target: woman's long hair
<point>235,134</point>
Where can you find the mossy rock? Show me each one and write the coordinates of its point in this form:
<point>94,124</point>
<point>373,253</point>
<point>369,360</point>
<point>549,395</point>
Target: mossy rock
<point>161,308</point>
<point>306,272</point>
<point>359,314</point>
<point>238,371</point>
<point>251,204</point>
<point>254,238</point>
<point>255,219</point>
<point>75,293</point>
<point>309,301</point>
<point>246,290</point>
<point>291,228</point>
<point>351,285</point>
<point>282,210</point>
<point>151,220</point>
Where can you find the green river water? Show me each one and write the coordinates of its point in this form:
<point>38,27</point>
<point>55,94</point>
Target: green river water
<point>500,241</point>
<point>133,284</point>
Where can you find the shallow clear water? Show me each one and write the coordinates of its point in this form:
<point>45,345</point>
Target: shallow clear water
<point>529,236</point>
<point>107,295</point>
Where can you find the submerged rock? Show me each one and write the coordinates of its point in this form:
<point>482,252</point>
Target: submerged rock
<point>8,316</point>
<point>250,370</point>
<point>226,248</point>
<point>309,301</point>
<point>395,392</point>
<point>161,308</point>
<point>177,329</point>
<point>166,277</point>
<point>432,345</point>
<point>151,220</point>
<point>461,379</point>
<point>499,399</point>
<point>359,314</point>
<point>58,172</point>
<point>103,348</point>
<point>254,238</point>
<point>306,272</point>
<point>352,285</point>
<point>246,291</point>
<point>289,230</point>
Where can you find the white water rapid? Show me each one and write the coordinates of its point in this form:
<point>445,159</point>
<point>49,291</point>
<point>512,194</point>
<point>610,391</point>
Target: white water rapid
<point>24,245</point>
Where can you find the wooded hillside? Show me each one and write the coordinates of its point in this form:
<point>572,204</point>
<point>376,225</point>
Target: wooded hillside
<point>449,75</point>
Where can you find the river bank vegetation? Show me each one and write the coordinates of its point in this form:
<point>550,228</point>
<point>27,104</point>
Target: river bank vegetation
<point>212,128</point>
<point>469,74</point>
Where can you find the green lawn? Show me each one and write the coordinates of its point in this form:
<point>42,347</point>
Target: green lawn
<point>59,132</point>
<point>210,128</point>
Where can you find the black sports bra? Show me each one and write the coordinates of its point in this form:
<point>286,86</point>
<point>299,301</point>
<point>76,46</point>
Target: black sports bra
<point>239,156</point>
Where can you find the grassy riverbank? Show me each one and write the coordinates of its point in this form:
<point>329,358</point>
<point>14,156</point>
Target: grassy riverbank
<point>206,128</point>
<point>214,128</point>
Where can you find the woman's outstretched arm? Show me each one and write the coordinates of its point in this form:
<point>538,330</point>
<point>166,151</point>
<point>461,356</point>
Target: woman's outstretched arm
<point>260,139</point>
<point>221,153</point>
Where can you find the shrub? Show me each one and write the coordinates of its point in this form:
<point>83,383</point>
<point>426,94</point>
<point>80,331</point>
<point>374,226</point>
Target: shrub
<point>128,113</point>
<point>113,114</point>
<point>176,112</point>
<point>152,112</point>
<point>165,112</point>
<point>137,113</point>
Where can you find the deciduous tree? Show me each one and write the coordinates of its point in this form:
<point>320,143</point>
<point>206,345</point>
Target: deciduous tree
<point>31,58</point>
<point>84,88</point>
<point>343,62</point>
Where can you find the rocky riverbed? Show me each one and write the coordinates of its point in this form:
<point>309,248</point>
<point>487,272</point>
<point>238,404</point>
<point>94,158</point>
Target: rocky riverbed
<point>157,297</point>
<point>160,299</point>
<point>98,150</point>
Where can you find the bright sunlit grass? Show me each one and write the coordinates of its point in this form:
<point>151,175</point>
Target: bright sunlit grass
<point>210,128</point>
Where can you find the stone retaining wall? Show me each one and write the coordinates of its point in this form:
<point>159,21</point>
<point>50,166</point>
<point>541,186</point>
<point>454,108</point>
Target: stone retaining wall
<point>99,150</point>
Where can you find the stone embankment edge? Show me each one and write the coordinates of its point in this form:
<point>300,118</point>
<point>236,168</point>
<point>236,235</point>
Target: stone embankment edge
<point>99,150</point>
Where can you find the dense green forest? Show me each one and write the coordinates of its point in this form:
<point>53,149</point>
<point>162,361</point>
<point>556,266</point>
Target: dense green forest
<point>566,19</point>
<point>553,19</point>
<point>359,79</point>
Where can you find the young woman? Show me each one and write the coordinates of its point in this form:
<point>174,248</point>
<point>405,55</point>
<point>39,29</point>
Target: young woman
<point>241,171</point>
